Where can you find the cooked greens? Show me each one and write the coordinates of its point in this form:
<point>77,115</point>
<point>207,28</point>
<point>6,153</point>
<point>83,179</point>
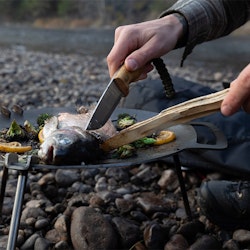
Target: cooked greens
<point>125,120</point>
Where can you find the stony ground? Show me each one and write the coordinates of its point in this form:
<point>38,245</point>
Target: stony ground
<point>136,207</point>
<point>37,79</point>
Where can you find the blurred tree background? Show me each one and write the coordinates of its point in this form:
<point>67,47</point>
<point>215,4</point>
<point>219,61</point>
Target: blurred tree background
<point>80,13</point>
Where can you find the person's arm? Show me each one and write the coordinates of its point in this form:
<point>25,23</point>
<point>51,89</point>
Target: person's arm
<point>136,45</point>
<point>210,19</point>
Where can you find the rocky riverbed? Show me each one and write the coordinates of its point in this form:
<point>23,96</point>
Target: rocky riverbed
<point>137,207</point>
<point>37,79</point>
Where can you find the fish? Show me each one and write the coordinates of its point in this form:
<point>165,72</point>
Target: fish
<point>67,142</point>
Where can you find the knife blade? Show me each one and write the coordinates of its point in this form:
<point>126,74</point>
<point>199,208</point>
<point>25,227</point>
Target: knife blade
<point>117,88</point>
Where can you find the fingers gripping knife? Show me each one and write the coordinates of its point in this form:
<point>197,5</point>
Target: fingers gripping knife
<point>117,88</point>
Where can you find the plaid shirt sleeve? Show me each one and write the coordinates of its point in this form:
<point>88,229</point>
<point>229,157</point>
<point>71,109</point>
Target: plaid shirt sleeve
<point>210,19</point>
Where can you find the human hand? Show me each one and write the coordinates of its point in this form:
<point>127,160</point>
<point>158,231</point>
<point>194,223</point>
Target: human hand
<point>137,44</point>
<point>238,95</point>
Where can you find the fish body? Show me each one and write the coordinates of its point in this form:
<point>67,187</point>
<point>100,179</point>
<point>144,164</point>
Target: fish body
<point>66,141</point>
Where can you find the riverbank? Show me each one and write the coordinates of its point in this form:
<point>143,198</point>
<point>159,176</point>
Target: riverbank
<point>36,79</point>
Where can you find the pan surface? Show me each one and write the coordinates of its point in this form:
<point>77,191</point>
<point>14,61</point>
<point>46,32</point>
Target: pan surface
<point>186,135</point>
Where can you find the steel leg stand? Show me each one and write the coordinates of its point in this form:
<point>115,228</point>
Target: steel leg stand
<point>17,210</point>
<point>11,162</point>
<point>3,187</point>
<point>182,186</point>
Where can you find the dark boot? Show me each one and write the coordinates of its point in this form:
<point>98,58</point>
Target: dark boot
<point>226,203</point>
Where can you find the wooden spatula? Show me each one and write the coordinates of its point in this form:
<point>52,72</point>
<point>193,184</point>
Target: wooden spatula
<point>178,114</point>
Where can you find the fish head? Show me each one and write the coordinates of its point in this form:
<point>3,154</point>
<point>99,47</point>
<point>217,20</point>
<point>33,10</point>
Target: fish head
<point>70,145</point>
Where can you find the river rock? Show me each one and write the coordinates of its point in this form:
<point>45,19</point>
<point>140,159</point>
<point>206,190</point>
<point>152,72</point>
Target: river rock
<point>30,242</point>
<point>124,206</point>
<point>168,180</point>
<point>32,212</point>
<point>96,201</point>
<point>190,229</point>
<point>42,244</point>
<point>146,174</point>
<point>128,230</point>
<point>155,236</point>
<point>242,236</point>
<point>66,177</point>
<point>176,242</point>
<point>205,242</point>
<point>119,174</point>
<point>181,213</point>
<point>62,226</point>
<point>53,236</point>
<point>151,203</point>
<point>8,203</point>
<point>61,245</point>
<point>231,245</point>
<point>3,242</point>
<point>46,179</point>
<point>41,223</point>
<point>101,184</point>
<point>90,230</point>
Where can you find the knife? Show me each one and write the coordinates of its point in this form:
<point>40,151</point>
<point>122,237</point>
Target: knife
<point>117,88</point>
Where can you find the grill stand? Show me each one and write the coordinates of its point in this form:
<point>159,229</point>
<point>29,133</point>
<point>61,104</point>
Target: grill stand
<point>11,162</point>
<point>182,186</point>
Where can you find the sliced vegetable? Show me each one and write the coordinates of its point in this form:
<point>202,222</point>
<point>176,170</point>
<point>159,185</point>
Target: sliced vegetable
<point>125,120</point>
<point>165,136</point>
<point>30,129</point>
<point>15,132</point>
<point>13,147</point>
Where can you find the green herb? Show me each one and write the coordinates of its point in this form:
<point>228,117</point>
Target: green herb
<point>42,118</point>
<point>144,142</point>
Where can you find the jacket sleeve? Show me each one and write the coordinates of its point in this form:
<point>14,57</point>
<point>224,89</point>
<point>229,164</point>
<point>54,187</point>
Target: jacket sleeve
<point>209,19</point>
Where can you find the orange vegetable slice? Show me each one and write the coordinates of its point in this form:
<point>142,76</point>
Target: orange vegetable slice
<point>165,136</point>
<point>13,147</point>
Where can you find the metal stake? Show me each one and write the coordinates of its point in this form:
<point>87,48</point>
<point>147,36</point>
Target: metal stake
<point>182,186</point>
<point>3,188</point>
<point>17,210</point>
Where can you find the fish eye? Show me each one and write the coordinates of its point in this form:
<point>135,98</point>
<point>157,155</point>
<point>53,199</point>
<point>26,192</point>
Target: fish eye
<point>62,140</point>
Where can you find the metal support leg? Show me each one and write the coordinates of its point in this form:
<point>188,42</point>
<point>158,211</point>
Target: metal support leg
<point>182,186</point>
<point>3,187</point>
<point>17,210</point>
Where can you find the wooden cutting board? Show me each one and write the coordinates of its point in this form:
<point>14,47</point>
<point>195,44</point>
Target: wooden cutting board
<point>178,114</point>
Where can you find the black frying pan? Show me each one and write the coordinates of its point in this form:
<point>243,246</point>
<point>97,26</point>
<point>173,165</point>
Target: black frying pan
<point>186,136</point>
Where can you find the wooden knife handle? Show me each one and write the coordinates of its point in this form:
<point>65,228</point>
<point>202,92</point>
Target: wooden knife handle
<point>123,78</point>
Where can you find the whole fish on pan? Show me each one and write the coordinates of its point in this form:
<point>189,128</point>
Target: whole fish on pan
<point>66,141</point>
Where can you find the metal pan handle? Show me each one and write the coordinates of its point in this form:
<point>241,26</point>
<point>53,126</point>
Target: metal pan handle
<point>220,138</point>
